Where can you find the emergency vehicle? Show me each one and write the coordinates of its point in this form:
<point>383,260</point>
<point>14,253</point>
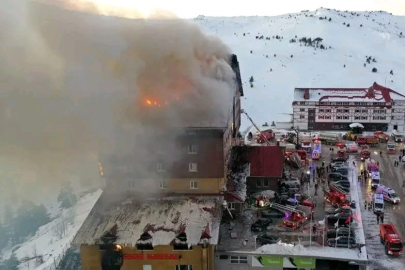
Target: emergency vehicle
<point>365,154</point>
<point>390,239</point>
<point>375,179</point>
<point>388,194</point>
<point>317,152</point>
<point>391,149</point>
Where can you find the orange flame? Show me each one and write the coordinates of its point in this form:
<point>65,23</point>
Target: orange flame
<point>148,102</point>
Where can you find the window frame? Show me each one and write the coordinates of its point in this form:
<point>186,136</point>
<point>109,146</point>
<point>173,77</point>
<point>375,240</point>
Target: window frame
<point>189,267</point>
<point>192,151</point>
<point>191,168</point>
<point>160,168</point>
<point>231,206</point>
<point>163,184</point>
<point>239,259</point>
<point>193,184</point>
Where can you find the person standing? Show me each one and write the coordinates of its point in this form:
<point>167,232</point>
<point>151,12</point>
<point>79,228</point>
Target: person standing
<point>382,217</point>
<point>378,218</point>
<point>399,159</point>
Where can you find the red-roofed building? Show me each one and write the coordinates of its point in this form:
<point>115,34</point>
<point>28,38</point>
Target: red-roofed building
<point>376,108</point>
<point>266,167</point>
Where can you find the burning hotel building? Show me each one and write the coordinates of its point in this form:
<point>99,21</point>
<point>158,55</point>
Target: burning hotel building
<point>165,171</point>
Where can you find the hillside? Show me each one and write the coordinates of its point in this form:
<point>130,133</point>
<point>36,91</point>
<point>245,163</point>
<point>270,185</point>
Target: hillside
<point>278,65</point>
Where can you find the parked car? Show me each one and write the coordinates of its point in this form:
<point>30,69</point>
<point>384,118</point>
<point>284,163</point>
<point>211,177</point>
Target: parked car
<point>260,225</point>
<point>339,159</point>
<point>272,214</point>
<point>290,182</point>
<point>343,183</point>
<point>337,176</point>
<point>338,163</point>
<point>343,171</point>
<point>267,239</point>
<point>341,217</point>
<point>342,241</point>
<point>344,209</point>
<point>343,231</point>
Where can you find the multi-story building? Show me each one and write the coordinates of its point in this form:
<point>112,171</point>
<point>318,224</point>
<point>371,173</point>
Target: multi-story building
<point>162,205</point>
<point>190,159</point>
<point>376,108</point>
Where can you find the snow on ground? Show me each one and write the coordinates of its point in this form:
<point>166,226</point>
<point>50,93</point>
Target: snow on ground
<point>46,240</point>
<point>354,196</point>
<point>279,66</point>
<point>319,252</point>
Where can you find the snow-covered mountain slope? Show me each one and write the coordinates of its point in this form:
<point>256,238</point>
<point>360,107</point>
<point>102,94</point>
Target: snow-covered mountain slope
<point>52,240</point>
<point>278,66</point>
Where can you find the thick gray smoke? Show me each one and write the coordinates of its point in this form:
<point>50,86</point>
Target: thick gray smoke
<point>71,81</point>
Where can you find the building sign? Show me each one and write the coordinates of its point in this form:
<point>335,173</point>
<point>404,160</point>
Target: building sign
<point>290,262</point>
<point>151,257</point>
<point>269,261</point>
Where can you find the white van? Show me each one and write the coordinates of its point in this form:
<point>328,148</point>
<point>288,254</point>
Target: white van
<point>375,179</point>
<point>388,194</point>
<point>378,203</point>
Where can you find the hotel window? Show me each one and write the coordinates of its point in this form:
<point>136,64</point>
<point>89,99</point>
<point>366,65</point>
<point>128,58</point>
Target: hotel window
<point>193,184</point>
<point>321,117</point>
<point>321,110</point>
<point>184,267</point>
<point>160,167</point>
<point>345,103</point>
<point>338,117</point>
<point>162,184</point>
<point>356,111</point>
<point>302,110</point>
<point>223,257</point>
<point>346,111</point>
<point>346,117</point>
<point>339,110</point>
<point>265,182</point>
<point>192,149</point>
<point>192,167</point>
<point>258,183</point>
<point>239,259</point>
<point>327,110</point>
<point>231,206</point>
<point>364,111</point>
<point>363,117</point>
<point>302,116</point>
<point>328,117</point>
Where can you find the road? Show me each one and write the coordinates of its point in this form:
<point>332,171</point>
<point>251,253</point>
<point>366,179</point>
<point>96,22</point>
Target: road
<point>392,177</point>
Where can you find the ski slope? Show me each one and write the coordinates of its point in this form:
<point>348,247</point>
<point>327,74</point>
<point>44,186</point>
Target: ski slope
<point>276,73</point>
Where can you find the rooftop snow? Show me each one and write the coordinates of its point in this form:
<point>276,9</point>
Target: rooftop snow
<point>163,219</point>
<point>375,93</point>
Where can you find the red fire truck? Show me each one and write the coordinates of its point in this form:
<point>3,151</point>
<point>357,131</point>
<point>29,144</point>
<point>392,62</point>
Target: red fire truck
<point>341,154</point>
<point>336,198</point>
<point>391,239</point>
<point>365,154</point>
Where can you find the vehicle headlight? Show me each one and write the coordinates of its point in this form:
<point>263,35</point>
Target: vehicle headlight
<point>389,252</point>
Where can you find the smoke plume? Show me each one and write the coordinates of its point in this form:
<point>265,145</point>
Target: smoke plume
<point>73,83</point>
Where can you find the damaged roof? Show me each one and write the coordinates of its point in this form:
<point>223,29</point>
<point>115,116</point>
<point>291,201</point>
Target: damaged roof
<point>163,219</point>
<point>375,93</point>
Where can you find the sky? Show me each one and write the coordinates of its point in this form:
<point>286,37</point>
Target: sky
<point>190,9</point>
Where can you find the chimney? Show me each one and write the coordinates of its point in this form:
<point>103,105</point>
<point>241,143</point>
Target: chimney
<point>306,93</point>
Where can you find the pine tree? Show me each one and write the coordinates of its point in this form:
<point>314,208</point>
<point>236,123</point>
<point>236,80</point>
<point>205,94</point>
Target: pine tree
<point>392,72</point>
<point>66,197</point>
<point>11,263</point>
<point>251,79</point>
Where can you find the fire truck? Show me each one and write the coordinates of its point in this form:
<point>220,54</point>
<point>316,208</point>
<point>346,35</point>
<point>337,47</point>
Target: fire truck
<point>365,154</point>
<point>390,239</point>
<point>294,217</point>
<point>382,137</point>
<point>336,198</point>
<point>341,154</point>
